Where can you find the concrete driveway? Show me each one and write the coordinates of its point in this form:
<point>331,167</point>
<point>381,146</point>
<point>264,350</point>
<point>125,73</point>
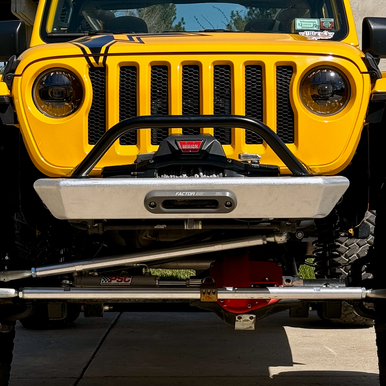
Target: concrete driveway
<point>194,348</point>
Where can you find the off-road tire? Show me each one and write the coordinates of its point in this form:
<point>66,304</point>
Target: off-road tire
<point>39,319</point>
<point>6,350</point>
<point>349,317</point>
<point>351,249</point>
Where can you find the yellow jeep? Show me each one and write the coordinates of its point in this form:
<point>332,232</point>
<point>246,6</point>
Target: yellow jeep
<point>240,139</point>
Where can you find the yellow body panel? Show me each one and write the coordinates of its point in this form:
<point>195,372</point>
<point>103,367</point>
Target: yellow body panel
<point>197,43</point>
<point>352,37</point>
<point>325,144</point>
<point>380,85</point>
<point>4,91</point>
<point>36,40</point>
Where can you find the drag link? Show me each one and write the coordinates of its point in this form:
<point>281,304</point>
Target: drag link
<point>136,258</point>
<point>298,293</point>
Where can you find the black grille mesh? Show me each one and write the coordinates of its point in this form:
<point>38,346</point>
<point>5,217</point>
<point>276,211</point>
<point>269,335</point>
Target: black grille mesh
<point>222,100</point>
<point>128,101</point>
<point>191,95</point>
<point>285,115</point>
<point>159,100</point>
<point>191,100</point>
<point>97,115</point>
<point>253,100</point>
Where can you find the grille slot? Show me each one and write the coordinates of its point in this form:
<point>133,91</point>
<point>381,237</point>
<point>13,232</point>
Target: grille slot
<point>285,115</point>
<point>222,100</point>
<point>191,95</point>
<point>97,115</point>
<point>159,100</point>
<point>253,100</point>
<point>128,101</point>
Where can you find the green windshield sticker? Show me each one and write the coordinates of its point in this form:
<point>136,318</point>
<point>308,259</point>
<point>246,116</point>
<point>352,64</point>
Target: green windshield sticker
<point>307,24</point>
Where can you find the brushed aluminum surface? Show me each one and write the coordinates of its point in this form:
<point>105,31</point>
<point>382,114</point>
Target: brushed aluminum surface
<point>315,293</point>
<point>124,198</point>
<point>7,293</point>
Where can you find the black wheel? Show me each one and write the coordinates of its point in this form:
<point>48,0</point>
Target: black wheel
<point>40,320</point>
<point>350,250</point>
<point>348,318</point>
<point>7,336</point>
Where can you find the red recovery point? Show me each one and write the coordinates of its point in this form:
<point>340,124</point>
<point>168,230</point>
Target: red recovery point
<point>241,272</point>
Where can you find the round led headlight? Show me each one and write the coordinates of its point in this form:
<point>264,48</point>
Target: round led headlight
<point>57,93</point>
<point>325,91</point>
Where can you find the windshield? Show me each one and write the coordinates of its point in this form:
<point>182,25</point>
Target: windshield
<point>314,19</point>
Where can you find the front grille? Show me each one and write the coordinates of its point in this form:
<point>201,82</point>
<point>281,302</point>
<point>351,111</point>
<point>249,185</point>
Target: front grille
<point>128,101</point>
<point>97,114</point>
<point>285,115</point>
<point>222,90</point>
<point>191,104</point>
<point>159,100</point>
<point>192,100</point>
<point>253,100</point>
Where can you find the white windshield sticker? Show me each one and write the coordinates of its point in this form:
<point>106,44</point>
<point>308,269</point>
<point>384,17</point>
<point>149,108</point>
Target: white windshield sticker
<point>327,24</point>
<point>307,24</point>
<point>317,35</point>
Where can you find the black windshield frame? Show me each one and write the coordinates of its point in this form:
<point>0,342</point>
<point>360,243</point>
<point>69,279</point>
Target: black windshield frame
<point>341,34</point>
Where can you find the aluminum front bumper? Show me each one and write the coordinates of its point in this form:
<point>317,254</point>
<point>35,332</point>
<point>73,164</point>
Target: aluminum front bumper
<point>128,198</point>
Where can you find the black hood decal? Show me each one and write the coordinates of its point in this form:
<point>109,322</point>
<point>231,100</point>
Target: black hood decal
<point>96,47</point>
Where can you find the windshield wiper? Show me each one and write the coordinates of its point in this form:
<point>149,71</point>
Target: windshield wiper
<point>216,30</point>
<point>99,32</point>
<point>78,34</point>
<point>105,32</point>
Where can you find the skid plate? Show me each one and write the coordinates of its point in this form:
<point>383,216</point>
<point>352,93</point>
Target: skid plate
<point>128,198</point>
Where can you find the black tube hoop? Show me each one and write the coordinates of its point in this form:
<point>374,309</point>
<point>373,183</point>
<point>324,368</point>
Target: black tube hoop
<point>181,121</point>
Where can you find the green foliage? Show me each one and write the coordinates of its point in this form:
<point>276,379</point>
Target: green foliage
<point>173,274</point>
<point>306,271</point>
<point>239,19</point>
<point>160,18</point>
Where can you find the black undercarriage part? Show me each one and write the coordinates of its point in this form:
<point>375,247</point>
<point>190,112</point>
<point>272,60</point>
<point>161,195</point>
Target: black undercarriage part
<point>325,253</point>
<point>195,156</point>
